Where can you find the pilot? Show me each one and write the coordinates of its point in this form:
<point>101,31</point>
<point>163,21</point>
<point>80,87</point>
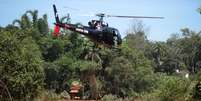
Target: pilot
<point>92,24</point>
<point>104,24</point>
<point>98,26</point>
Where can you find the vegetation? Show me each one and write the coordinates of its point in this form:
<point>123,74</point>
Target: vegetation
<point>34,64</point>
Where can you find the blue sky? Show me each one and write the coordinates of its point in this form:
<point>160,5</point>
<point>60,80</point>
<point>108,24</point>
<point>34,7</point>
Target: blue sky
<point>178,13</point>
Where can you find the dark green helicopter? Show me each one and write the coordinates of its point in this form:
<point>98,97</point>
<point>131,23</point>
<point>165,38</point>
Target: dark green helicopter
<point>97,31</point>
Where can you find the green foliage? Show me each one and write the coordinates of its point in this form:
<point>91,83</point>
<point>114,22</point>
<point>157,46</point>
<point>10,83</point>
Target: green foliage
<point>197,90</point>
<point>51,75</point>
<point>39,26</point>
<point>136,36</point>
<point>31,60</point>
<point>51,48</point>
<point>171,88</point>
<point>21,65</point>
<point>129,73</point>
<point>190,48</point>
<point>109,98</point>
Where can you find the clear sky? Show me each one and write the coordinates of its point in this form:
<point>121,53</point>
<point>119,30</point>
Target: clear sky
<point>178,13</point>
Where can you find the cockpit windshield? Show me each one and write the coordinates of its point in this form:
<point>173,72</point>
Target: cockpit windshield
<point>119,41</point>
<point>117,33</point>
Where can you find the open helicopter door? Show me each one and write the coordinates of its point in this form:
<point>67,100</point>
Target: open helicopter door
<point>57,27</point>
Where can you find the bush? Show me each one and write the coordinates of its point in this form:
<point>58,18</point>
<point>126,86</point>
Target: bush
<point>172,88</point>
<point>197,90</point>
<point>110,97</point>
<point>20,66</point>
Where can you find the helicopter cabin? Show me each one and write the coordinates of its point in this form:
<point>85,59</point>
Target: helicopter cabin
<point>96,24</point>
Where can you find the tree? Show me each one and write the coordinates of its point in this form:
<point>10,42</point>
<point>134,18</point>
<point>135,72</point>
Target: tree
<point>168,58</point>
<point>190,48</point>
<point>89,72</point>
<point>20,65</point>
<point>159,51</point>
<point>39,26</point>
<point>129,73</point>
<point>179,52</point>
<point>23,23</point>
<point>136,36</point>
<point>172,88</point>
<point>52,48</point>
<point>34,17</point>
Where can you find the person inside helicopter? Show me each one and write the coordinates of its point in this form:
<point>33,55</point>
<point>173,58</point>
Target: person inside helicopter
<point>97,24</point>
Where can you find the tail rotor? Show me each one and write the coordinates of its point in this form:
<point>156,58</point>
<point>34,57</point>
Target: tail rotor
<point>56,14</point>
<point>57,24</point>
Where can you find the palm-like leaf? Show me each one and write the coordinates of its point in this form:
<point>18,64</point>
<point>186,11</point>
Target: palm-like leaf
<point>40,24</point>
<point>34,15</point>
<point>26,21</point>
<point>16,22</point>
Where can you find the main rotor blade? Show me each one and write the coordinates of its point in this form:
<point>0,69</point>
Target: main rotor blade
<point>147,17</point>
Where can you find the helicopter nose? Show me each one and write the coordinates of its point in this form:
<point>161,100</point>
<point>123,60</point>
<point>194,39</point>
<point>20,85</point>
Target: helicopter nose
<point>119,42</point>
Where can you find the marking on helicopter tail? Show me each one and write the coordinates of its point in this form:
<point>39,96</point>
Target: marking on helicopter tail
<point>82,30</point>
<point>86,31</point>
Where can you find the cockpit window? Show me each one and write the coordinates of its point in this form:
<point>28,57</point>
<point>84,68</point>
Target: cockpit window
<point>119,41</point>
<point>117,33</point>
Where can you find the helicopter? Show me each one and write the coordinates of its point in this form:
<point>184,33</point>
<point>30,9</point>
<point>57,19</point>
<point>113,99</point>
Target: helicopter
<point>97,31</point>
